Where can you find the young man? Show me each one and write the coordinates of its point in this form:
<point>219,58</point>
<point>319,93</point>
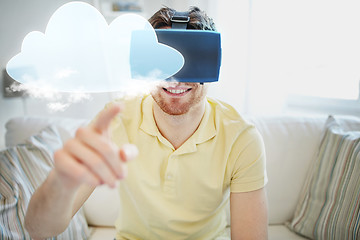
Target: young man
<point>193,154</point>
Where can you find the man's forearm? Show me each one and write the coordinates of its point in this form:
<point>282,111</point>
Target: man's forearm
<point>50,209</point>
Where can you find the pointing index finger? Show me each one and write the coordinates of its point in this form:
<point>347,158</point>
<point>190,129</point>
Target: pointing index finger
<point>103,121</point>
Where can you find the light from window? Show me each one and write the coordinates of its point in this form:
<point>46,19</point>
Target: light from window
<point>308,47</point>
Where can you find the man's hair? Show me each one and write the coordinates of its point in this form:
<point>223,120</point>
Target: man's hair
<point>198,19</point>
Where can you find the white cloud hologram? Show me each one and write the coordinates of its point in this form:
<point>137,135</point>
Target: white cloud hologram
<point>80,52</point>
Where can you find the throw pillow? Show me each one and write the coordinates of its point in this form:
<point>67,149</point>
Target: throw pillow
<point>330,205</point>
<point>22,169</point>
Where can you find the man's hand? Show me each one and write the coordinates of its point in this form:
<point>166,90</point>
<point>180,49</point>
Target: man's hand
<point>87,160</point>
<point>91,157</point>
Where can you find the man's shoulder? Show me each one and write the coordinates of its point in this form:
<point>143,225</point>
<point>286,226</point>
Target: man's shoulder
<point>224,110</point>
<point>228,118</point>
<point>231,125</point>
<point>132,107</point>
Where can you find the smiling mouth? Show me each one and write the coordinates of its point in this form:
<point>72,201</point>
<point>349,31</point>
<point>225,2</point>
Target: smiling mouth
<point>177,91</point>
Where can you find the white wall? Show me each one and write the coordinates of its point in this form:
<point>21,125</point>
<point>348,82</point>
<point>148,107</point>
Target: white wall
<point>17,18</point>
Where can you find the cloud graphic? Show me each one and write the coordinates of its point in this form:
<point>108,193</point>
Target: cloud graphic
<point>145,64</point>
<point>80,52</point>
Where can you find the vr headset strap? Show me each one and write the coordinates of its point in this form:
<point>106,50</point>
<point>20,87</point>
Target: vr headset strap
<point>180,20</point>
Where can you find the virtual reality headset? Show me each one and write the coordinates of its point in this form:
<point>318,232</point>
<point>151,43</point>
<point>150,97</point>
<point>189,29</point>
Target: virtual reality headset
<point>201,50</point>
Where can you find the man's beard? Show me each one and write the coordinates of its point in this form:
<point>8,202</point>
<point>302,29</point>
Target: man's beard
<point>178,106</point>
<point>173,108</point>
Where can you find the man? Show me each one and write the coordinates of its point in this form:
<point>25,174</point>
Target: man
<point>194,153</point>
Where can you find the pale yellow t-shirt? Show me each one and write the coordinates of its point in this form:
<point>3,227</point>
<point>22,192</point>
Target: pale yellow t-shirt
<point>181,194</point>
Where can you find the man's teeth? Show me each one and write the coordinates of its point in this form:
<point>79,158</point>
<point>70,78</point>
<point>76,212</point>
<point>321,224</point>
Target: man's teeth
<point>176,91</point>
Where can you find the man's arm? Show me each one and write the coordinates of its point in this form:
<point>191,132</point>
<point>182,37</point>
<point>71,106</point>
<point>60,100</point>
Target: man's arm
<point>85,161</point>
<point>50,211</point>
<point>249,215</point>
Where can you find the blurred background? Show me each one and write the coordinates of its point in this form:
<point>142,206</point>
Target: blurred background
<point>279,56</point>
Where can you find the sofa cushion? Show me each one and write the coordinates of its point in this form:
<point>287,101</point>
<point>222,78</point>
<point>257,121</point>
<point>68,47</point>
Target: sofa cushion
<point>276,232</point>
<point>101,233</point>
<point>20,128</point>
<point>22,169</point>
<point>281,232</point>
<point>329,207</point>
<point>102,207</point>
<point>291,143</point>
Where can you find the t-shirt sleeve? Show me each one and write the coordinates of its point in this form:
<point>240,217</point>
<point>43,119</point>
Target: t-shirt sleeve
<point>249,165</point>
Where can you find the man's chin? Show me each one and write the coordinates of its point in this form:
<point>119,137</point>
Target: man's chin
<point>173,110</point>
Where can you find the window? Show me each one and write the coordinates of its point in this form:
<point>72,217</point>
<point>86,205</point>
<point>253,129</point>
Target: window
<point>306,48</point>
<point>302,52</point>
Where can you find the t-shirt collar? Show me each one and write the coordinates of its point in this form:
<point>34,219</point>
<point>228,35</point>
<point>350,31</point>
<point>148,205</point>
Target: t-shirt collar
<point>205,131</point>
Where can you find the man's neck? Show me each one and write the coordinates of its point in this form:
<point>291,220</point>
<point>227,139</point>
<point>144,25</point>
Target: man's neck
<point>179,128</point>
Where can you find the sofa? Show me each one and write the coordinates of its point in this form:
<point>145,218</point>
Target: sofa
<point>292,147</point>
